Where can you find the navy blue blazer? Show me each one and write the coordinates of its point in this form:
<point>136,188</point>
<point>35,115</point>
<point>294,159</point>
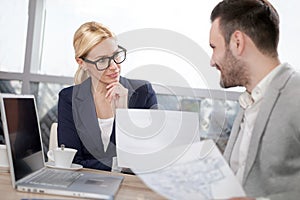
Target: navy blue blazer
<point>78,125</point>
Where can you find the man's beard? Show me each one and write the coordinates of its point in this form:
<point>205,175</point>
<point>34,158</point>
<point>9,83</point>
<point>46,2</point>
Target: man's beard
<point>234,72</point>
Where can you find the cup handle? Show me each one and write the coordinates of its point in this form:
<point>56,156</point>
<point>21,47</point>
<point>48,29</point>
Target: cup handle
<point>50,155</point>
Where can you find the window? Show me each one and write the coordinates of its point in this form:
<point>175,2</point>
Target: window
<point>178,26</point>
<point>13,34</point>
<point>135,23</point>
<point>169,37</point>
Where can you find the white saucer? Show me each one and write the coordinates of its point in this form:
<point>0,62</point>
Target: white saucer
<point>73,166</point>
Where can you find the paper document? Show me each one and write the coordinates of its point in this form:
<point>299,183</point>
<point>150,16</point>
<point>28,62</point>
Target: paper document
<point>164,149</point>
<point>201,173</point>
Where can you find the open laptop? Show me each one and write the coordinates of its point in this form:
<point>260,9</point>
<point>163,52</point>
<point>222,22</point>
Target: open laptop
<point>26,158</point>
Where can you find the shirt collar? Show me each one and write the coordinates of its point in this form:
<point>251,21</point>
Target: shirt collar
<point>246,99</point>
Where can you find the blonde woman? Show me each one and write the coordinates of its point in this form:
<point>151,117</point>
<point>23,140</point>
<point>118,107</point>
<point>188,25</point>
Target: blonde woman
<point>86,111</point>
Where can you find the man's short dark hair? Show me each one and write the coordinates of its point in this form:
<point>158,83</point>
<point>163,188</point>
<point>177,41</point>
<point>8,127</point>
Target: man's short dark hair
<point>256,18</point>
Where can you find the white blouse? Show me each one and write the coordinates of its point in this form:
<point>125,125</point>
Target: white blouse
<point>106,126</point>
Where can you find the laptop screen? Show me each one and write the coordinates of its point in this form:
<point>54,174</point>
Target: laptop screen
<point>23,132</point>
<point>2,140</point>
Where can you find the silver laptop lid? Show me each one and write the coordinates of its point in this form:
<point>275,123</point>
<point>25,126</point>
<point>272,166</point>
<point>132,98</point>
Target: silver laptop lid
<point>22,135</point>
<point>148,140</point>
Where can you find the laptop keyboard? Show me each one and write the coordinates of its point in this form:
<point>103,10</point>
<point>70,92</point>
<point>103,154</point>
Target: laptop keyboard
<point>56,178</point>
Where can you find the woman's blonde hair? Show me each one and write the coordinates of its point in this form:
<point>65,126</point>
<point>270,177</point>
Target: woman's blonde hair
<point>87,36</point>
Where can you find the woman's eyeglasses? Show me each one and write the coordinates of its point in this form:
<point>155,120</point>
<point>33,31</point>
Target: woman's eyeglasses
<point>104,62</point>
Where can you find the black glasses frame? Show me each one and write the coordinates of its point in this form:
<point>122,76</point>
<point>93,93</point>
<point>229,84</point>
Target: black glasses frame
<point>109,59</point>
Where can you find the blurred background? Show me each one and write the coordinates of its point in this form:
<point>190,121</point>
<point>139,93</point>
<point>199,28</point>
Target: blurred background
<point>37,57</point>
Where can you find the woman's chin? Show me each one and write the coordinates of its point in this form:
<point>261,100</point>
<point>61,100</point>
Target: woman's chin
<point>111,80</point>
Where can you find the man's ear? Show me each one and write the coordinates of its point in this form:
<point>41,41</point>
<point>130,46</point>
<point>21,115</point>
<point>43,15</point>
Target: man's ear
<point>237,43</point>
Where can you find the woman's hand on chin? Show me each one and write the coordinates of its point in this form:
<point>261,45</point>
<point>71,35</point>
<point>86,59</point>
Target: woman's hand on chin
<point>118,94</point>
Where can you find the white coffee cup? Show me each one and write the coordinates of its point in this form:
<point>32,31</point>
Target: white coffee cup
<point>3,156</point>
<point>62,157</point>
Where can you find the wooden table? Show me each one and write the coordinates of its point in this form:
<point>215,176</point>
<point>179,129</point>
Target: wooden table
<point>131,188</point>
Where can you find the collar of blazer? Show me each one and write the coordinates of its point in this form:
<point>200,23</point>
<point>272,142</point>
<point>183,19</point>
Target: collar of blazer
<point>86,121</point>
<point>277,84</point>
<point>85,117</point>
<point>269,101</point>
<point>126,84</point>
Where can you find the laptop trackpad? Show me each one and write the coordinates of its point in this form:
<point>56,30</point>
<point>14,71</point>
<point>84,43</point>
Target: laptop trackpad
<point>98,182</point>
